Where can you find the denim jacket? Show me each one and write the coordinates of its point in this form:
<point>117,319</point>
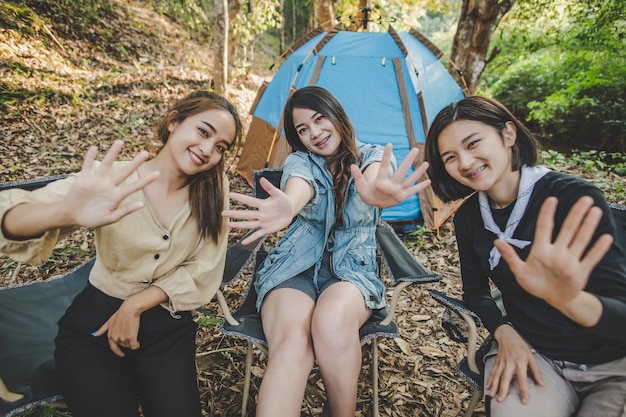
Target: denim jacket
<point>352,246</point>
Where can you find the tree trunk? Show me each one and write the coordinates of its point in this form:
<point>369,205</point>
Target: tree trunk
<point>220,46</point>
<point>325,14</point>
<point>233,42</point>
<point>478,21</point>
<point>357,21</point>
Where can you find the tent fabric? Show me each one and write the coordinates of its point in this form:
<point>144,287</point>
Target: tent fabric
<point>391,84</point>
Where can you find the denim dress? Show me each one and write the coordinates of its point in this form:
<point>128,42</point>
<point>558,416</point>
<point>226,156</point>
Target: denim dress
<point>352,246</point>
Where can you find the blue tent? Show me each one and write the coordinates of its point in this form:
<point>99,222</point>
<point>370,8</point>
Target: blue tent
<point>391,84</point>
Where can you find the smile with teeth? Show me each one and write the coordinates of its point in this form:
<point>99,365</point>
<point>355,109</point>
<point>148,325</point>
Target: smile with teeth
<point>323,141</point>
<point>196,158</point>
<point>476,172</point>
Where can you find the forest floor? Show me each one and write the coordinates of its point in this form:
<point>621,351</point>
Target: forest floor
<point>66,85</point>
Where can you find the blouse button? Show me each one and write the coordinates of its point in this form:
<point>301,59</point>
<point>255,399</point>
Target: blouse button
<point>166,236</point>
<point>145,281</point>
<point>157,256</point>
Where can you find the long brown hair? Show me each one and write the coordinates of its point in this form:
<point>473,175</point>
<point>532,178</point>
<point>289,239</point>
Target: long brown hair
<point>322,101</point>
<point>206,189</point>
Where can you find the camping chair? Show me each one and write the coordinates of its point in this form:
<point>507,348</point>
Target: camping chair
<point>462,325</point>
<point>401,266</point>
<point>28,324</point>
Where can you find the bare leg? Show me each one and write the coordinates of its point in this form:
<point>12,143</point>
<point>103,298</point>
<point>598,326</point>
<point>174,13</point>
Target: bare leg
<point>339,314</point>
<point>286,316</point>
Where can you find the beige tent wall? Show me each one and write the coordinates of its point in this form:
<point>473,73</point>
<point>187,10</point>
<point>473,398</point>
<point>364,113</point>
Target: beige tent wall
<point>258,146</point>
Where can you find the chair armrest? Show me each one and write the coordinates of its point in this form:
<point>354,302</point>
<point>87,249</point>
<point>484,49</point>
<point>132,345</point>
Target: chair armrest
<point>32,184</point>
<point>238,256</point>
<point>454,328</point>
<point>402,267</point>
<point>400,263</point>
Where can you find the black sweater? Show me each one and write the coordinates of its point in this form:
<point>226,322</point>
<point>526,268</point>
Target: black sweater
<point>543,326</point>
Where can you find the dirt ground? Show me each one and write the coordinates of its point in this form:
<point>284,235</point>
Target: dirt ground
<point>69,90</point>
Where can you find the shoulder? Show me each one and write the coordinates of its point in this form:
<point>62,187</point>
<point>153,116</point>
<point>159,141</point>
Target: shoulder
<point>367,150</point>
<point>567,188</point>
<point>467,208</point>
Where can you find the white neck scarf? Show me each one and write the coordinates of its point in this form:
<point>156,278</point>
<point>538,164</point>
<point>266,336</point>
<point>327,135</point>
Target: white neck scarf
<point>529,176</point>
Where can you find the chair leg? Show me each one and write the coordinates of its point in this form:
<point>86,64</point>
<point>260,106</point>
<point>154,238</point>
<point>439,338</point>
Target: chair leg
<point>375,412</point>
<point>473,402</point>
<point>246,382</point>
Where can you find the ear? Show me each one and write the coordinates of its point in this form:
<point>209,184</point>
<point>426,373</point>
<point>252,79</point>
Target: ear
<point>509,133</point>
<point>172,125</point>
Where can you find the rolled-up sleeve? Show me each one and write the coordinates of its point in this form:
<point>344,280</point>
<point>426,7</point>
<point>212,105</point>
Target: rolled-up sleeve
<point>33,251</point>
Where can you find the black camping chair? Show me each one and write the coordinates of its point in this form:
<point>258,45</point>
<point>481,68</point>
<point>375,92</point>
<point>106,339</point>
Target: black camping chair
<point>462,325</point>
<point>402,269</point>
<point>28,323</point>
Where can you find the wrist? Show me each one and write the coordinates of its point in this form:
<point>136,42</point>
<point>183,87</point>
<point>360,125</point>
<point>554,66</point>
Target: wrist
<point>503,330</point>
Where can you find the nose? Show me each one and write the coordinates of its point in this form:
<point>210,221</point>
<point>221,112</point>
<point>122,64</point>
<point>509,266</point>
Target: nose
<point>465,160</point>
<point>315,131</point>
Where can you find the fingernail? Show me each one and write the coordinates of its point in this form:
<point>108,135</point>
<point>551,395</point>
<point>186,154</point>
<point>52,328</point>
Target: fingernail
<point>94,333</point>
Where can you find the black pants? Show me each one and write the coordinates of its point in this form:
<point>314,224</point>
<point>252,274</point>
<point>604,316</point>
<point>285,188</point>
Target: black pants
<point>160,375</point>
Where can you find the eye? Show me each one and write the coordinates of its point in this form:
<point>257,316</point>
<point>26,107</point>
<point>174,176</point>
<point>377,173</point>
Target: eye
<point>448,158</point>
<point>221,148</point>
<point>301,131</point>
<point>473,144</point>
<point>203,132</point>
<point>318,118</point>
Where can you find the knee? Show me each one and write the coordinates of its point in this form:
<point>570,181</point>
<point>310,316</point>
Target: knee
<point>293,348</point>
<point>333,334</point>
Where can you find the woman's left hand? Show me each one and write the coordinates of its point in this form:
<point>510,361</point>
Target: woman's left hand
<point>558,271</point>
<point>385,191</point>
<point>122,329</point>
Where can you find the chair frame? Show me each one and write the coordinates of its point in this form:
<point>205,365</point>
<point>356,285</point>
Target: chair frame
<point>238,256</point>
<point>472,323</point>
<point>402,269</point>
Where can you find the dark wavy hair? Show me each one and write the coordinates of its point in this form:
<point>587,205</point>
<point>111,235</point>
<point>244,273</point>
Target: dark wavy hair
<point>322,101</point>
<point>479,109</point>
<point>206,189</point>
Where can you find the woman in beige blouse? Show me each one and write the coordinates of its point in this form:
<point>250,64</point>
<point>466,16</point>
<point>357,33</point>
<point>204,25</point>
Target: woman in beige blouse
<point>128,339</point>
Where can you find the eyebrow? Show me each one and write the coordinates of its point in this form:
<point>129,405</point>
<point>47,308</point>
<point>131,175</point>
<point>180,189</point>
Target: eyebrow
<point>312,117</point>
<point>209,125</point>
<point>465,139</point>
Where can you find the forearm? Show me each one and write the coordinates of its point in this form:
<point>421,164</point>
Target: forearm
<point>299,193</point>
<point>145,300</point>
<point>585,309</point>
<point>31,220</point>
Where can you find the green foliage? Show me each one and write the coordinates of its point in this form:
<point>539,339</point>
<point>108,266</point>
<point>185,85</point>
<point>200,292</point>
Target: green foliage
<point>196,16</point>
<point>576,98</point>
<point>249,24</point>
<point>561,68</point>
<point>417,238</point>
<point>596,165</point>
<point>207,319</point>
<point>19,17</point>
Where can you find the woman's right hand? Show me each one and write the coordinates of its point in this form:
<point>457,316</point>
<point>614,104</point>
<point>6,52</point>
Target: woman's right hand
<point>270,214</point>
<point>513,360</point>
<point>95,199</point>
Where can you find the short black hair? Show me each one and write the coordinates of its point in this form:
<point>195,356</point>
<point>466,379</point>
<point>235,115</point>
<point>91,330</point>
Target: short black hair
<point>479,109</point>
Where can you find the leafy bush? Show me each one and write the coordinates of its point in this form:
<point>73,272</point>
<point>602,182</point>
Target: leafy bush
<point>573,98</point>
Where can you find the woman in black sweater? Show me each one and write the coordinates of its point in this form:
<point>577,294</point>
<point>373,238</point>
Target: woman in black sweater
<point>561,349</point>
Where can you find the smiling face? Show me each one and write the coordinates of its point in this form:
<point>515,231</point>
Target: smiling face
<point>479,157</point>
<point>316,132</point>
<point>199,142</point>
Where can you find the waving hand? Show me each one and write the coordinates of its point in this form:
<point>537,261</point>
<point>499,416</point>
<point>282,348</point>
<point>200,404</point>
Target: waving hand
<point>385,191</point>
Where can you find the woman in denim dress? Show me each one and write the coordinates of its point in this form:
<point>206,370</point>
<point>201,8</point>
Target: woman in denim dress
<point>320,283</point>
